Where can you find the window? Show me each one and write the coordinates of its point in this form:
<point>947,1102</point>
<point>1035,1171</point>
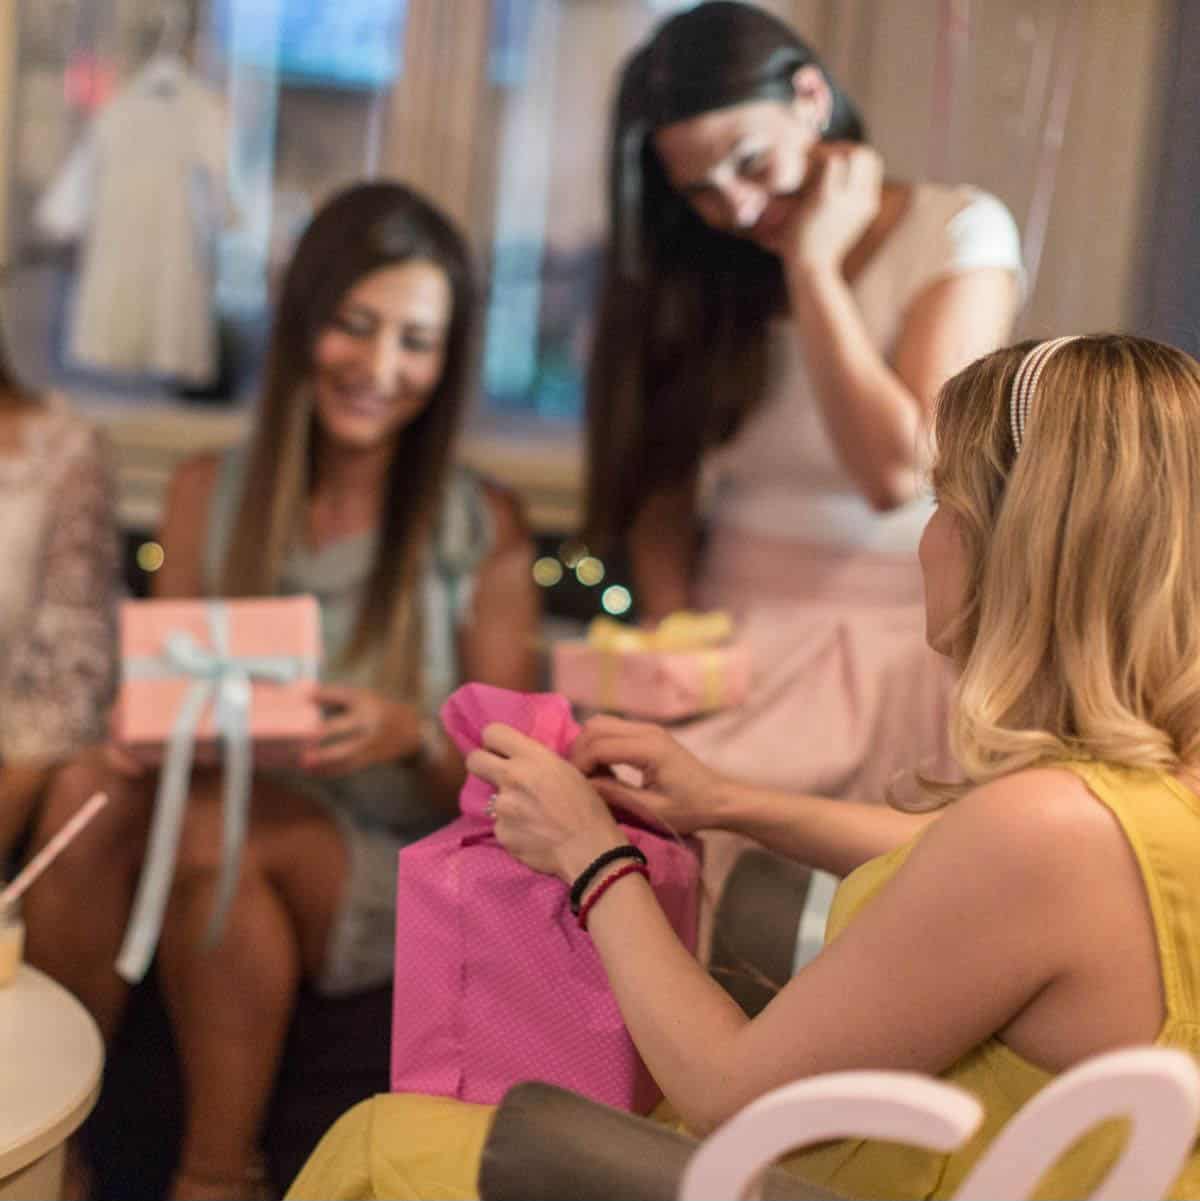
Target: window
<point>198,133</point>
<point>496,108</point>
<point>548,225</point>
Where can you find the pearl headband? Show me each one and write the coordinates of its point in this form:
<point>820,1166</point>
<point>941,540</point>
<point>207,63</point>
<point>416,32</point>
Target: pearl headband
<point>1025,383</point>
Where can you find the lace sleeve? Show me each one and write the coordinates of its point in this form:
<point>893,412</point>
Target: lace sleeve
<point>60,678</point>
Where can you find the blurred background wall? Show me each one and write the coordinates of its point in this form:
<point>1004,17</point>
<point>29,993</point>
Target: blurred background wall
<point>1079,114</point>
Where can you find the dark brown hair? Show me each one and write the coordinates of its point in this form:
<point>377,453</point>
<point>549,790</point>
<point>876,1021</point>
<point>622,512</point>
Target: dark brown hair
<point>363,229</point>
<point>679,356</point>
<point>12,387</point>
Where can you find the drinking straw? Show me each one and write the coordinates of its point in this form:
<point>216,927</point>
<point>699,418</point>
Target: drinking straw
<point>52,850</point>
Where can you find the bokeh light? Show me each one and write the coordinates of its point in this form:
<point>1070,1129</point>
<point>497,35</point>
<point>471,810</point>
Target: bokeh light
<point>547,571</point>
<point>150,556</point>
<point>616,600</point>
<point>589,571</point>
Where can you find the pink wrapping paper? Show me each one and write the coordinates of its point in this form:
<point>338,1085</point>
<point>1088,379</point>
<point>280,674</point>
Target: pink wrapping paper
<point>283,718</point>
<point>653,684</point>
<point>495,983</point>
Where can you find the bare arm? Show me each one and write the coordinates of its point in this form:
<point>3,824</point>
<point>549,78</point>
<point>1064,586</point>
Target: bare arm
<point>876,414</point>
<point>681,792</point>
<point>983,930</point>
<point>865,1002</point>
<point>662,551</point>
<point>835,836</point>
<point>184,527</point>
<point>498,641</point>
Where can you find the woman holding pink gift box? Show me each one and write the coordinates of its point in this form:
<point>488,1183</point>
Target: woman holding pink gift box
<point>1062,578</point>
<point>777,318</point>
<point>348,491</point>
<point>58,593</point>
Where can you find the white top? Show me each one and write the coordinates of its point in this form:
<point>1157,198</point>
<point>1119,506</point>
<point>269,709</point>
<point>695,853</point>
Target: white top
<point>146,191</point>
<point>781,477</point>
<point>52,1057</point>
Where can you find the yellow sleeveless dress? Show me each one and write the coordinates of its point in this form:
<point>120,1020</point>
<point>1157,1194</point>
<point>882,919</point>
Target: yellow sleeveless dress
<point>429,1147</point>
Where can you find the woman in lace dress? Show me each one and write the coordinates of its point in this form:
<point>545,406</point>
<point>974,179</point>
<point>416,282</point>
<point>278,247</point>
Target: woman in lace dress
<point>58,545</point>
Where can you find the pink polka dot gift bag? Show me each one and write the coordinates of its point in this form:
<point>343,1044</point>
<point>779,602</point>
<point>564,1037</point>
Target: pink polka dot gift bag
<point>495,983</point>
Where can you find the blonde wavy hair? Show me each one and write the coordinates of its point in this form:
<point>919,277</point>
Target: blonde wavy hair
<point>1079,635</point>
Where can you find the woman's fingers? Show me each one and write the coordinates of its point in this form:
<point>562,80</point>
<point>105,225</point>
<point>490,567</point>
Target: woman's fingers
<point>338,696</point>
<point>604,750</point>
<point>337,759</point>
<point>637,800</point>
<point>504,740</point>
<point>337,729</point>
<point>606,724</point>
<point>493,768</point>
<point>122,762</point>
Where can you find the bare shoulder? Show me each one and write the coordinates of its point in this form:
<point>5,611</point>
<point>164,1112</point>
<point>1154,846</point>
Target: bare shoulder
<point>1040,800</point>
<point>1043,824</point>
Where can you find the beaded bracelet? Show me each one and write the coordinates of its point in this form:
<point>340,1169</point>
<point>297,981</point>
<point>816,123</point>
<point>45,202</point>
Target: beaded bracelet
<point>624,851</point>
<point>605,884</point>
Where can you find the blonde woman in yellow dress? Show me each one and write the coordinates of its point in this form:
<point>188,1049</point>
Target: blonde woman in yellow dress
<point>1038,914</point>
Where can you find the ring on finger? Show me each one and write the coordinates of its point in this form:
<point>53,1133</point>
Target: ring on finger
<point>490,808</point>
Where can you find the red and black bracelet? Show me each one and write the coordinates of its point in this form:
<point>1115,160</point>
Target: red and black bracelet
<point>605,884</point>
<point>624,851</point>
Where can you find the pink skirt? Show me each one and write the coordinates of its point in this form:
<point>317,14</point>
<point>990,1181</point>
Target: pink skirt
<point>846,699</point>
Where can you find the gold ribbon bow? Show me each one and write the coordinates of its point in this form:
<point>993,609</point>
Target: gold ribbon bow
<point>681,631</point>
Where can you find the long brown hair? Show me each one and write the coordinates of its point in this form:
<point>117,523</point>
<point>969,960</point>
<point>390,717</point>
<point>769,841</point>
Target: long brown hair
<point>680,351</point>
<point>365,228</point>
<point>12,387</point>
<point>1077,637</point>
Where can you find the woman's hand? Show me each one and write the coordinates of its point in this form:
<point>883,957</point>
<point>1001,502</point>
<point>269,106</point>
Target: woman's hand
<point>547,815</point>
<point>120,761</point>
<point>365,729</point>
<point>839,202</point>
<point>111,755</point>
<point>677,789</point>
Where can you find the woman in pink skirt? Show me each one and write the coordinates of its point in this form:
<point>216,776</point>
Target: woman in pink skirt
<point>776,321</point>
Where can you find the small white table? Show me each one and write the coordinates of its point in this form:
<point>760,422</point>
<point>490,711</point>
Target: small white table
<point>51,1059</point>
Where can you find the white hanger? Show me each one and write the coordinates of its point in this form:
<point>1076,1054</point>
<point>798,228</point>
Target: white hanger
<point>165,68</point>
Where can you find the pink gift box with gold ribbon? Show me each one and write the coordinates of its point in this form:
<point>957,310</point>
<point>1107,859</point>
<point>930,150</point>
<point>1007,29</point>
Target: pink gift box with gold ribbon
<point>688,666</point>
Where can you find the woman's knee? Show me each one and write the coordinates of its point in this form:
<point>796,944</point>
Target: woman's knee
<point>199,855</point>
<point>201,841</point>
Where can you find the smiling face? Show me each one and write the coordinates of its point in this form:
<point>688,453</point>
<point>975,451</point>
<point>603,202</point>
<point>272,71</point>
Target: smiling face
<point>378,361</point>
<point>741,167</point>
